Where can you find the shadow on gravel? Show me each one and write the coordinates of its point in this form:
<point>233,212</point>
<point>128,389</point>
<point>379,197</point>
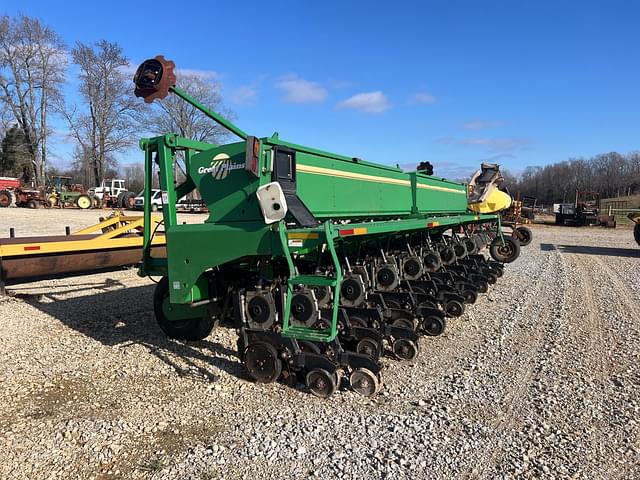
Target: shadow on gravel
<point>603,251</point>
<point>547,247</point>
<point>123,316</point>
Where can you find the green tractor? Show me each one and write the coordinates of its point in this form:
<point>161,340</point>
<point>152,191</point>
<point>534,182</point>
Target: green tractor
<point>62,193</point>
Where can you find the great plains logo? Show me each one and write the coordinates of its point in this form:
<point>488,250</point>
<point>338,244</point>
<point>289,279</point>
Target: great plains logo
<point>221,166</point>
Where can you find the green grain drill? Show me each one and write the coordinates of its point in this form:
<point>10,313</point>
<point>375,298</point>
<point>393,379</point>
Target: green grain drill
<point>322,262</point>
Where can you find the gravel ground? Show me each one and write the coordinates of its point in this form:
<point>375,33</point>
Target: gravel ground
<point>539,379</point>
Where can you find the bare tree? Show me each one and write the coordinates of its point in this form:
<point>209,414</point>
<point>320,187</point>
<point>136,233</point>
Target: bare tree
<point>105,122</point>
<point>32,70</point>
<point>175,115</point>
<point>6,119</point>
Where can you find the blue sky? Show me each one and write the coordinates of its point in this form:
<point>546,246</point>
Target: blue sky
<point>457,82</point>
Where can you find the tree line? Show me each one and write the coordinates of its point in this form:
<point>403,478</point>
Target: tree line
<point>610,174</point>
<point>103,117</point>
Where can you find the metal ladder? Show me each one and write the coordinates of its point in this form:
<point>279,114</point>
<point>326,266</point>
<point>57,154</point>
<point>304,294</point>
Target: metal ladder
<point>302,332</point>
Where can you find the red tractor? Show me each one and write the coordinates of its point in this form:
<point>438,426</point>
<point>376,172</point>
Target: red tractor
<point>12,192</point>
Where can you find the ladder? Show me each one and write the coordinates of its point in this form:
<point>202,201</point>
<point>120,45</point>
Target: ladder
<point>327,234</point>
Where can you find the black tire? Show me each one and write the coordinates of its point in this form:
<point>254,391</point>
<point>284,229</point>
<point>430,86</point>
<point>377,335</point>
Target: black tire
<point>507,252</point>
<point>447,256</point>
<point>6,198</point>
<point>453,308</point>
<point>526,235</point>
<point>636,233</point>
<point>193,329</point>
<point>127,199</point>
<point>433,326</point>
<point>470,296</point>
<point>33,204</point>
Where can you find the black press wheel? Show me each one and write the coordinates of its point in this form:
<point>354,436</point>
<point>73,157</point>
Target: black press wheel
<point>433,326</point>
<point>404,322</point>
<point>321,383</point>
<point>192,329</point>
<point>356,321</point>
<point>262,362</point>
<point>405,349</point>
<point>470,296</point>
<point>483,286</point>
<point>454,308</point>
<point>505,249</point>
<point>369,347</point>
<point>524,236</point>
<point>365,382</point>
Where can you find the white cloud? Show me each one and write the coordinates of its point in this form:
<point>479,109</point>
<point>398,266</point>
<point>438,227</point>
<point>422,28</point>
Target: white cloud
<point>478,124</point>
<point>422,98</point>
<point>299,90</point>
<point>244,95</point>
<point>368,102</point>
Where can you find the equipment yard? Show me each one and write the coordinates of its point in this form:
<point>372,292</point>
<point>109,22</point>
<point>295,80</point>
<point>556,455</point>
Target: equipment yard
<point>539,378</point>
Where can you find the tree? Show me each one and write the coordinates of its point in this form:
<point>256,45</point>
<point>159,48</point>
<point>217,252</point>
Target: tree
<point>32,72</point>
<point>175,115</point>
<point>134,176</point>
<point>106,122</point>
<point>15,159</point>
<point>6,120</point>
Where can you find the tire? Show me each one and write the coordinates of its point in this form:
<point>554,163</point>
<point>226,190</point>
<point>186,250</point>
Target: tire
<point>526,235</point>
<point>33,204</point>
<point>127,200</point>
<point>506,253</point>
<point>6,198</point>
<point>83,202</point>
<point>636,233</point>
<point>118,201</point>
<point>193,329</point>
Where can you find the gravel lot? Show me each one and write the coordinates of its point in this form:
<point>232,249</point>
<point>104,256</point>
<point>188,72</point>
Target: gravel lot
<point>540,379</point>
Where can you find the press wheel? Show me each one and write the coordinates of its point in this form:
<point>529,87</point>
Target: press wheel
<point>454,308</point>
<point>433,326</point>
<point>369,347</point>
<point>364,382</point>
<point>404,323</point>
<point>470,296</point>
<point>321,383</point>
<point>262,362</point>
<point>405,349</point>
<point>505,250</point>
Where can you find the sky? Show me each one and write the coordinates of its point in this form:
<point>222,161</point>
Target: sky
<point>455,83</point>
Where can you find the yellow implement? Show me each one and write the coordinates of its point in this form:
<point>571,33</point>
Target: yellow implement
<point>114,242</point>
<point>495,201</point>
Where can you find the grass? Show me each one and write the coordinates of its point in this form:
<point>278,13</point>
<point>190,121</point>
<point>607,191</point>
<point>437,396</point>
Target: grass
<point>153,465</point>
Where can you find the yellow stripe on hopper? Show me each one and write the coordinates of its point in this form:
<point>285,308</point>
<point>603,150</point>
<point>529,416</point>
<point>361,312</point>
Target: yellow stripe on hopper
<point>356,176</point>
<point>303,236</point>
<point>330,172</point>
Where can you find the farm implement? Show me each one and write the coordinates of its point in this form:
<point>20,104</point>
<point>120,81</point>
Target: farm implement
<point>114,242</point>
<point>323,263</point>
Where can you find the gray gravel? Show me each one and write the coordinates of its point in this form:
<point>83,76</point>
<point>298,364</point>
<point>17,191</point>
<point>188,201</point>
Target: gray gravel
<point>540,379</point>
